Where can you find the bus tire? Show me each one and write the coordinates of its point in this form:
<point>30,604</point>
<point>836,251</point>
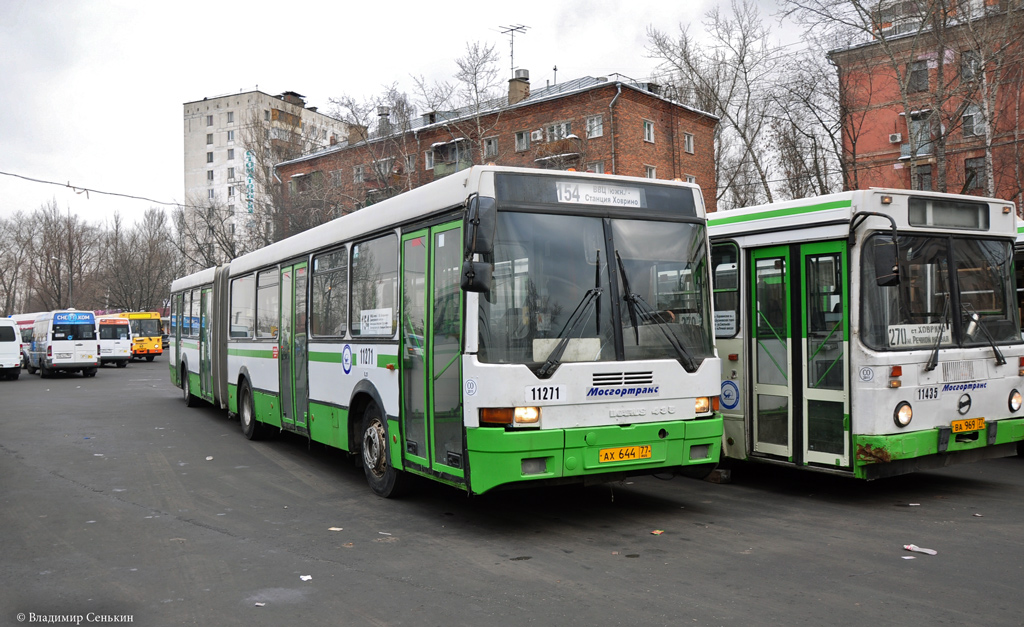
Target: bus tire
<point>252,429</point>
<point>150,357</point>
<point>89,372</point>
<point>384,479</point>
<point>122,363</point>
<point>31,369</point>
<point>186,389</point>
<point>44,372</point>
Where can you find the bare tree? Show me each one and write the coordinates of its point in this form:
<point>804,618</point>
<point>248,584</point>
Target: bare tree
<point>734,74</point>
<point>16,235</point>
<point>204,235</point>
<point>139,262</point>
<point>65,261</point>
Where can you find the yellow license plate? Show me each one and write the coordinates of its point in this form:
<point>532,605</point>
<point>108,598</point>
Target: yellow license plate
<point>968,424</point>
<point>625,453</point>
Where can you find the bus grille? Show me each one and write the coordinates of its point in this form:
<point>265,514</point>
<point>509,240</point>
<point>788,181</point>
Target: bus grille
<point>623,378</point>
<point>955,371</point>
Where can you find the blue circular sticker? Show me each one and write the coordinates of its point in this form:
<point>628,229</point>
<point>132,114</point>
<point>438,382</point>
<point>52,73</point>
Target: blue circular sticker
<point>730,395</point>
<point>346,359</point>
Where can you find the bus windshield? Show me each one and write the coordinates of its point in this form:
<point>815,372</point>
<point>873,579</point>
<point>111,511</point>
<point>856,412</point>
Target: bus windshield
<point>146,327</point>
<point>551,282</point>
<point>944,283</point>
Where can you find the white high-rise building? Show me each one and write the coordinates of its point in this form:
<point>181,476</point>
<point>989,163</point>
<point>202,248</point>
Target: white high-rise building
<point>232,143</point>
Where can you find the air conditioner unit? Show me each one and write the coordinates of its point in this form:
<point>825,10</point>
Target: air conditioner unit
<point>895,138</point>
<point>537,135</point>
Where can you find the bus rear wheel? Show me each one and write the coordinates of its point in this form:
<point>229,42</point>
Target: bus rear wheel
<point>186,389</point>
<point>89,372</point>
<point>383,478</point>
<point>252,429</point>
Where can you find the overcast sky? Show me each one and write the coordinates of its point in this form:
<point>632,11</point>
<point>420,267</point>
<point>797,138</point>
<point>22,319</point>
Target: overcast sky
<point>91,91</point>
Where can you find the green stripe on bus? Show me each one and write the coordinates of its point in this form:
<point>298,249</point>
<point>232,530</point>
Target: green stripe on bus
<point>333,357</point>
<point>383,361</point>
<point>250,352</point>
<point>779,213</point>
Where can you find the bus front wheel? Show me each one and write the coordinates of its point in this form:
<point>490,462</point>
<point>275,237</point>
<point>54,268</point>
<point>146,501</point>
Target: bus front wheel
<point>252,429</point>
<point>383,478</point>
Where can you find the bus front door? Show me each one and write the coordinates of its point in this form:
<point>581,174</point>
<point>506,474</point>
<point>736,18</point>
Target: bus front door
<point>430,350</point>
<point>799,356</point>
<point>292,356</point>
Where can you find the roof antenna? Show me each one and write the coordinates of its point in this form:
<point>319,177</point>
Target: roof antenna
<point>511,32</point>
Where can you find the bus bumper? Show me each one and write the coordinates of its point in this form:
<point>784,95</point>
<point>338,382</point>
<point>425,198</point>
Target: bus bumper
<point>879,456</point>
<point>498,457</point>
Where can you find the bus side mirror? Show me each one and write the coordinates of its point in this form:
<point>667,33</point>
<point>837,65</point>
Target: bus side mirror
<point>480,222</point>
<point>476,276</point>
<point>887,266</point>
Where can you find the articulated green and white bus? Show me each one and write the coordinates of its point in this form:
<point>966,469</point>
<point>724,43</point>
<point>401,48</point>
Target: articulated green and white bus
<point>498,326</point>
<point>869,333</point>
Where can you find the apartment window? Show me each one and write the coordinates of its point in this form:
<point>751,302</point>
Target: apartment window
<point>918,80</point>
<point>428,160</point>
<point>973,121</point>
<point>209,139</point>
<point>490,147</point>
<point>924,178</point>
<point>522,141</point>
<point>410,163</point>
<point>231,210</point>
<point>595,126</point>
<point>974,173</point>
<point>209,194</point>
<point>335,178</point>
<point>209,176</point>
<point>650,172</point>
<point>209,120</point>
<point>231,136</point>
<point>691,179</point>
<point>559,130</point>
<point>231,117</point>
<point>358,174</point>
<point>970,65</point>
<point>266,115</point>
<point>648,131</point>
<point>231,191</point>
<point>596,167</point>
<point>688,142</point>
<point>231,154</point>
<point>209,157</point>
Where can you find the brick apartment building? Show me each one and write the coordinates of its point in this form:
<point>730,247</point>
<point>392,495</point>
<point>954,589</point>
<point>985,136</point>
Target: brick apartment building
<point>591,124</point>
<point>935,101</point>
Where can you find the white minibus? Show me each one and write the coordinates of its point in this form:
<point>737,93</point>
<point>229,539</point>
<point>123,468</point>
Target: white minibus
<point>64,340</point>
<point>10,349</point>
<point>115,340</point>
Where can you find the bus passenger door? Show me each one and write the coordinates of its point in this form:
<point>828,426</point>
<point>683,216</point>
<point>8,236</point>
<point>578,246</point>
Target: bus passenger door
<point>292,355</point>
<point>771,351</point>
<point>431,348</point>
<point>205,345</point>
<point>825,336</point>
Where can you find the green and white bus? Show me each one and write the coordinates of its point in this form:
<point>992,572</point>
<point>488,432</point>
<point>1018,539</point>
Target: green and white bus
<point>498,326</point>
<point>869,333</point>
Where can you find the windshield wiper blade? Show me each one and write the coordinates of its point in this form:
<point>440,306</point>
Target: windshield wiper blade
<point>555,356</point>
<point>933,360</point>
<point>637,304</point>
<point>975,323</point>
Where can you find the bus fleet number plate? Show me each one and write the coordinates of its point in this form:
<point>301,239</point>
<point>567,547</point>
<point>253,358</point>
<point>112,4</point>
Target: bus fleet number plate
<point>968,424</point>
<point>625,453</point>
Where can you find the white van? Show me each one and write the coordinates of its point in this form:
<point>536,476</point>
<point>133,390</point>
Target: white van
<point>115,340</point>
<point>64,340</point>
<point>10,349</point>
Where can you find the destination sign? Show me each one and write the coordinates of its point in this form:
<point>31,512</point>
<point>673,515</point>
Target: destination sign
<point>585,193</point>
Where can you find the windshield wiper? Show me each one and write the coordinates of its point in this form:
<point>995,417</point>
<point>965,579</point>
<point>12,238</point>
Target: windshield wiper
<point>972,329</point>
<point>636,304</point>
<point>555,356</point>
<point>933,360</point>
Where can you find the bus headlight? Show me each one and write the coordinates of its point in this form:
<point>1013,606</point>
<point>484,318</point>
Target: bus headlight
<point>903,415</point>
<point>527,415</point>
<point>1015,401</point>
<point>702,405</point>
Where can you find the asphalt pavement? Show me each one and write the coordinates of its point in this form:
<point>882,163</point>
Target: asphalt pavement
<point>120,504</point>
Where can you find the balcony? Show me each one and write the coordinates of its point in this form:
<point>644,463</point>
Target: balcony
<point>444,168</point>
